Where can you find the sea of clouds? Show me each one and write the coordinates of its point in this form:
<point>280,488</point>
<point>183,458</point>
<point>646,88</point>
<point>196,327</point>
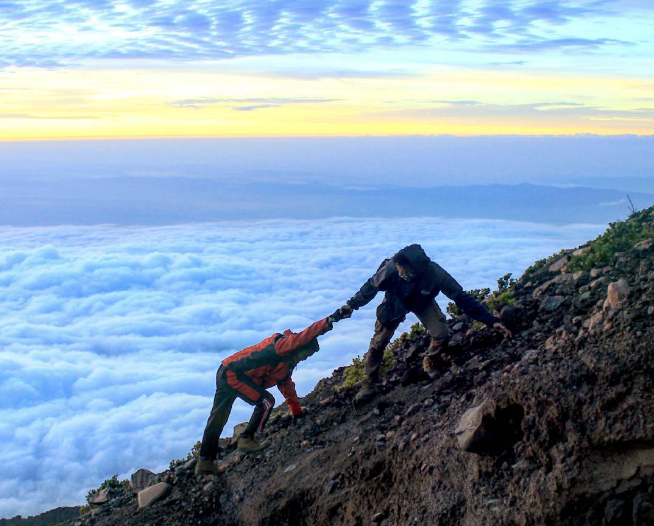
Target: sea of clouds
<point>110,337</point>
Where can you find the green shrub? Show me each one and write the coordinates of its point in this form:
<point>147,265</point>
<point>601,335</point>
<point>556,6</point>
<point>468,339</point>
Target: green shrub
<point>530,271</point>
<point>619,237</point>
<point>505,282</point>
<point>503,298</point>
<point>112,483</point>
<point>355,372</point>
<point>195,452</point>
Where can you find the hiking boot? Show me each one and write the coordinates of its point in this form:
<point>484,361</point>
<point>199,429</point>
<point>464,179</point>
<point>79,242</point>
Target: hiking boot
<point>250,445</point>
<point>367,391</point>
<point>206,466</point>
<point>429,367</point>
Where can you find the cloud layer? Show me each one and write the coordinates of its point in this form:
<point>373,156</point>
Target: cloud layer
<point>64,30</point>
<point>111,337</point>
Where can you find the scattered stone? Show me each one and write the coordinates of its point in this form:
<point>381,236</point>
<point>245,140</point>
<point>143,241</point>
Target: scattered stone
<point>552,303</point>
<point>581,251</point>
<point>290,468</point>
<point>208,487</point>
<point>142,479</point>
<point>558,265</point>
<point>100,497</point>
<point>489,427</point>
<point>523,465</point>
<point>644,245</point>
<point>153,494</point>
<point>429,402</point>
<point>412,409</point>
<point>617,294</point>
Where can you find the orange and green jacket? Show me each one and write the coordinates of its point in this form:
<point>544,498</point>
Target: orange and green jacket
<point>271,361</point>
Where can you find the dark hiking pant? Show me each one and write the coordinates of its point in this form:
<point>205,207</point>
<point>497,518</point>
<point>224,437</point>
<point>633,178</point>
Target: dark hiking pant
<point>229,386</point>
<point>431,317</point>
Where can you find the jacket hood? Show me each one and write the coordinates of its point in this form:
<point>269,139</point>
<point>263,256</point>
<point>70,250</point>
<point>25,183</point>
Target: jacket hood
<point>414,256</point>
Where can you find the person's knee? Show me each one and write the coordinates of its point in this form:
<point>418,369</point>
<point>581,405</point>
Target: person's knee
<point>267,401</point>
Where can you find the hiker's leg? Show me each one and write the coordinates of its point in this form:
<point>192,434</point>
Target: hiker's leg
<point>222,406</point>
<point>380,339</point>
<point>255,395</point>
<point>259,415</point>
<point>434,321</point>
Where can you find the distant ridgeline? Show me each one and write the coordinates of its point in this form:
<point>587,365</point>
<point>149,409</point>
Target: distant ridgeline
<point>48,518</point>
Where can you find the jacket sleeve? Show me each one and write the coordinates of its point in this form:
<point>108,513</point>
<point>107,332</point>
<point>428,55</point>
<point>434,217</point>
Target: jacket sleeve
<point>371,287</point>
<point>292,342</point>
<point>469,305</point>
<point>287,388</point>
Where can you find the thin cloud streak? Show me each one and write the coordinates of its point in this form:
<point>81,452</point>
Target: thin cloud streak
<point>196,30</point>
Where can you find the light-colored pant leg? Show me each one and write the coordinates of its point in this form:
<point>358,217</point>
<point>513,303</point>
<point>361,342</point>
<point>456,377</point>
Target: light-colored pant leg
<point>434,321</point>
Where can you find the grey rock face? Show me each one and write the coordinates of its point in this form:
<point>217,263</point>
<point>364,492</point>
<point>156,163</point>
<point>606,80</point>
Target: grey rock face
<point>142,479</point>
<point>153,494</point>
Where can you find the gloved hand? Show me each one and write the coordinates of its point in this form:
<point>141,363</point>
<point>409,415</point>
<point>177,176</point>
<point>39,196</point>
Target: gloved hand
<point>343,312</point>
<point>501,329</point>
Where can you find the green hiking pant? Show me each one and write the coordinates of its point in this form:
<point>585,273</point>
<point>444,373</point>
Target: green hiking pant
<point>229,386</point>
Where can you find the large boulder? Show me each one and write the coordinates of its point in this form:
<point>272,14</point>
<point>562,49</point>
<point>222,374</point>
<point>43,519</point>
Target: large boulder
<point>153,494</point>
<point>490,427</point>
<point>616,294</point>
<point>142,479</point>
<point>100,497</point>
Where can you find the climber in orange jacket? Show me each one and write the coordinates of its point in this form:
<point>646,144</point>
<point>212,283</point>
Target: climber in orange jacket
<point>246,375</point>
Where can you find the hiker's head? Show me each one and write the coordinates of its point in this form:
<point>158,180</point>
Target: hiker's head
<point>411,262</point>
<point>406,272</point>
<point>306,350</point>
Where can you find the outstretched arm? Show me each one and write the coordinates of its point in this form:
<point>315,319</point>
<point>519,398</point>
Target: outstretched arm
<point>369,289</point>
<point>291,342</point>
<point>467,303</point>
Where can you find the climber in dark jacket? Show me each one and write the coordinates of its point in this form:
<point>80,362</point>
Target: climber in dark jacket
<point>411,281</point>
<point>247,374</point>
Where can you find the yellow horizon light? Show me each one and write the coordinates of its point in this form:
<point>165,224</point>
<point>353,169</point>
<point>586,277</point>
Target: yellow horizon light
<point>94,103</point>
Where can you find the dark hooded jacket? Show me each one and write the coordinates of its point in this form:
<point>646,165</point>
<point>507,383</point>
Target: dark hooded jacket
<point>403,296</point>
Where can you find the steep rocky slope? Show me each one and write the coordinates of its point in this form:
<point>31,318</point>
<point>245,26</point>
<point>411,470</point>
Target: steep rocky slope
<point>564,431</point>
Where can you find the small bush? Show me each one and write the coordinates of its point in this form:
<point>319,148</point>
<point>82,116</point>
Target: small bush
<point>619,237</point>
<point>112,483</point>
<point>195,452</point>
<point>505,282</point>
<point>530,271</point>
<point>503,298</point>
<point>355,372</point>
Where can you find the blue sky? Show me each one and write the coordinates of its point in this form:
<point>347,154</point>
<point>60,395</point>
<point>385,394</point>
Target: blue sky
<point>79,69</point>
